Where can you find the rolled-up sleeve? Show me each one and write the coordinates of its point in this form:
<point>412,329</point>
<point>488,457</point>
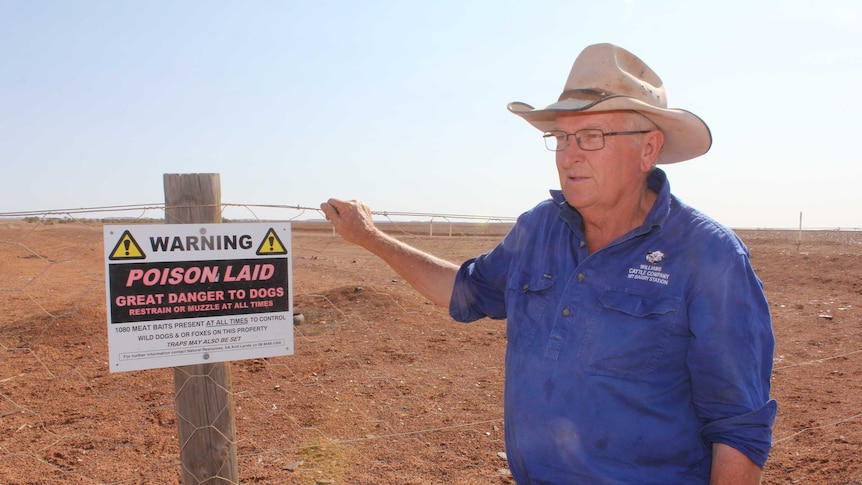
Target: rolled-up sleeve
<point>750,433</point>
<point>480,285</point>
<point>469,302</point>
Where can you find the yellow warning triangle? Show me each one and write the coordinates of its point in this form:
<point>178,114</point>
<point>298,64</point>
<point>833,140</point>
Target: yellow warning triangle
<point>271,244</point>
<point>127,248</point>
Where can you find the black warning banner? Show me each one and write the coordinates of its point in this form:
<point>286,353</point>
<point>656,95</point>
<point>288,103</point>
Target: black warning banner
<point>190,289</point>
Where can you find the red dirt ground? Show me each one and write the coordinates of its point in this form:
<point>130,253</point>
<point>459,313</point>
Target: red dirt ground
<point>383,387</point>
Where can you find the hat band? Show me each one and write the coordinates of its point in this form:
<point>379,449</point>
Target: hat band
<point>583,94</point>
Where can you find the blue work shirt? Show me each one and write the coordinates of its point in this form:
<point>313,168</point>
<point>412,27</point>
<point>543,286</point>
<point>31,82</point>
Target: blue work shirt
<point>625,365</point>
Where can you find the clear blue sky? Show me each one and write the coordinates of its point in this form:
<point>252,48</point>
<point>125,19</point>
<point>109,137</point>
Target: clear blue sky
<point>403,103</point>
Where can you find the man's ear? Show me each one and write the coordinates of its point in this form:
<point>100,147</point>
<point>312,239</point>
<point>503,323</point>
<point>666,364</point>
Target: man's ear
<point>652,145</point>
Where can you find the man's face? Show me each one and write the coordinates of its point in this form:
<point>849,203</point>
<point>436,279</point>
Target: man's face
<point>600,180</point>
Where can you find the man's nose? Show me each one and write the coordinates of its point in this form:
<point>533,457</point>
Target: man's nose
<point>569,155</point>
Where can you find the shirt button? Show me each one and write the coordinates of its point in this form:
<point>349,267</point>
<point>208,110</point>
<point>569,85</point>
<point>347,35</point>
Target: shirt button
<point>566,312</point>
<point>583,243</point>
<point>526,287</point>
<point>581,277</point>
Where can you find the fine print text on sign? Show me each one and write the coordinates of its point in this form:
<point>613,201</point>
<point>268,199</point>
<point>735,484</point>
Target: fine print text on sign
<point>181,294</point>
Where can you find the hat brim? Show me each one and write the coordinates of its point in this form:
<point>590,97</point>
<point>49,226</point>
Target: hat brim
<point>686,135</point>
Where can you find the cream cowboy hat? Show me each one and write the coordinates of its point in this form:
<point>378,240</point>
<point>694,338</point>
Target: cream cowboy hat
<point>609,78</point>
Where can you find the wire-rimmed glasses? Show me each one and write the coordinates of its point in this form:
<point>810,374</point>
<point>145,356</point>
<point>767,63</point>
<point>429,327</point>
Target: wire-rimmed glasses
<point>589,139</point>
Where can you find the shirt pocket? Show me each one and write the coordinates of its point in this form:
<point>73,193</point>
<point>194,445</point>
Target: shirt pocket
<point>527,297</point>
<point>628,334</point>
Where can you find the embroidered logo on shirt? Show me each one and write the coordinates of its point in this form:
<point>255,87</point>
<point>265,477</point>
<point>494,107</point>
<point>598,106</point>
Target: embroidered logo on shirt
<point>650,272</point>
<point>654,257</point>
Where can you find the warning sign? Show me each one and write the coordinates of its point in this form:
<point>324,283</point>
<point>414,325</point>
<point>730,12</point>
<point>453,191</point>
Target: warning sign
<point>181,294</point>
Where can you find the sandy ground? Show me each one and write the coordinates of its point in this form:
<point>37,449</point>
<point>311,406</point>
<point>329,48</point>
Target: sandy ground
<point>383,387</point>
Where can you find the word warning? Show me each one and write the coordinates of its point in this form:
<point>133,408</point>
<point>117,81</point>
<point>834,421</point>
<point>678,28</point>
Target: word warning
<point>181,294</point>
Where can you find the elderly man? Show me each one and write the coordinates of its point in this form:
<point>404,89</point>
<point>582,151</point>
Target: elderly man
<point>639,338</point>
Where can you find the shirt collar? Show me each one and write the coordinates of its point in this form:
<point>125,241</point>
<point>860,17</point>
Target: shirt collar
<point>656,181</point>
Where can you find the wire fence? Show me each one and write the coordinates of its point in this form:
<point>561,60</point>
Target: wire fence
<point>383,387</point>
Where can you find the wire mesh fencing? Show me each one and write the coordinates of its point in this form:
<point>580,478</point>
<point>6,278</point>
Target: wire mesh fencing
<point>376,389</point>
<point>383,387</point>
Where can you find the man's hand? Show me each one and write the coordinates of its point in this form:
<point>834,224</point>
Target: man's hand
<point>351,220</point>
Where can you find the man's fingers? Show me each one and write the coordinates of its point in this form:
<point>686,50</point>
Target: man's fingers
<point>330,208</point>
<point>325,207</point>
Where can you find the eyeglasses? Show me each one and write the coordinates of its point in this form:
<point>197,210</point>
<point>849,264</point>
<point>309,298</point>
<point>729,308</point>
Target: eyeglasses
<point>589,139</point>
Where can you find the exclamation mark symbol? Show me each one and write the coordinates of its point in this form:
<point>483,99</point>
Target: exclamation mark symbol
<point>127,243</point>
<point>271,243</point>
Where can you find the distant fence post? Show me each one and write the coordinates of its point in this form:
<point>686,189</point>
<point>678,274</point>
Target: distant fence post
<point>799,241</point>
<point>206,424</point>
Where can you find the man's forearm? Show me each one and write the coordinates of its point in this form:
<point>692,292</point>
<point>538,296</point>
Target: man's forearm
<point>432,277</point>
<point>731,467</point>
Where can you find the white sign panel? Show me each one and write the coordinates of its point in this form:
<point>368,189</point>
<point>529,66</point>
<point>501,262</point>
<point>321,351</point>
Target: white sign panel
<point>182,294</point>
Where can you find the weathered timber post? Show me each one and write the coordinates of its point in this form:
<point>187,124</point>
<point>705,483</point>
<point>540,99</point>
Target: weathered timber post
<point>202,392</point>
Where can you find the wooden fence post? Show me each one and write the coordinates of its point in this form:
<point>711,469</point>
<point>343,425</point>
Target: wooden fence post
<point>203,397</point>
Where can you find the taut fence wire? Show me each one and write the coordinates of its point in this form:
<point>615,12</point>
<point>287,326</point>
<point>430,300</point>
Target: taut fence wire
<point>301,211</point>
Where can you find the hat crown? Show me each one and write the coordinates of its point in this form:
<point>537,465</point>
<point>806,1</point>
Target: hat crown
<point>604,70</point>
